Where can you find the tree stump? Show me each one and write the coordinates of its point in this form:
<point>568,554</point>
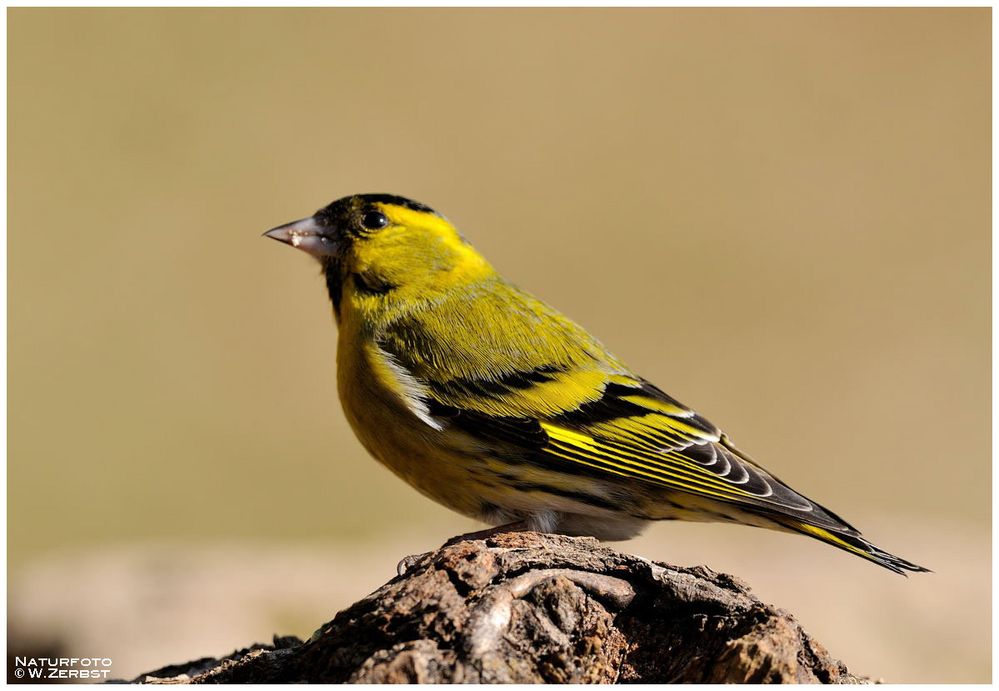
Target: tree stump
<point>531,608</point>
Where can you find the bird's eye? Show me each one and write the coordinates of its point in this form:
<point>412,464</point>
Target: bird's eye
<point>374,220</point>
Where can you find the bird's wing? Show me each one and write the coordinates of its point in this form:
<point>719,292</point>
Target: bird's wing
<point>516,373</point>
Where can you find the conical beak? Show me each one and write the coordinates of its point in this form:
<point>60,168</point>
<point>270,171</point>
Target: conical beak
<point>306,235</point>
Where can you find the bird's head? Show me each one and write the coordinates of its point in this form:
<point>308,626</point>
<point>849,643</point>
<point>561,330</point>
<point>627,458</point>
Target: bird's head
<point>380,248</point>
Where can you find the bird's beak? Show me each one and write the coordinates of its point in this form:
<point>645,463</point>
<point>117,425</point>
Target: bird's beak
<point>306,235</point>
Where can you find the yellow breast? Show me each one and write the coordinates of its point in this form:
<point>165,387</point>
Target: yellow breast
<point>377,400</point>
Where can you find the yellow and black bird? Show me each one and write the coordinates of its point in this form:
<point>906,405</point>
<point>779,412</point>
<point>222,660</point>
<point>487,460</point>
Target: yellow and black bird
<point>494,404</point>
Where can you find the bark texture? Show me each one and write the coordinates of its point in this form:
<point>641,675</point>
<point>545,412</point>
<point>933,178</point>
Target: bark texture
<point>529,608</point>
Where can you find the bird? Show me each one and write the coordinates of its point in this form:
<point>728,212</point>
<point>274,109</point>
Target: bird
<point>494,404</point>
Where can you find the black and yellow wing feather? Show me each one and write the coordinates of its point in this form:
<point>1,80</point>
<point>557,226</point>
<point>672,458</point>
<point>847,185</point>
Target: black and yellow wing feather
<point>530,380</point>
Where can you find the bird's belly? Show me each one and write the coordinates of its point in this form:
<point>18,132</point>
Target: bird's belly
<point>452,469</point>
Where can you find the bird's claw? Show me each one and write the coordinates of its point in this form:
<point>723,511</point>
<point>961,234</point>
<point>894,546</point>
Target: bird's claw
<point>406,563</point>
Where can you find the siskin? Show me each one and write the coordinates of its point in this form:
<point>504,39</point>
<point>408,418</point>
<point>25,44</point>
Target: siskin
<point>494,404</point>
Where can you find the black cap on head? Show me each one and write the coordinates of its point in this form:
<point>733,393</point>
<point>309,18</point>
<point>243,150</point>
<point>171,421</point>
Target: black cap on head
<point>346,206</point>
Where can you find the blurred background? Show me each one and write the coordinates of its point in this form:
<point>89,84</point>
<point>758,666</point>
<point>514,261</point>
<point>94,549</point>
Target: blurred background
<point>781,217</point>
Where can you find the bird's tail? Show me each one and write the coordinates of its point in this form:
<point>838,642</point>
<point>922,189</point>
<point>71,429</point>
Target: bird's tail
<point>855,544</point>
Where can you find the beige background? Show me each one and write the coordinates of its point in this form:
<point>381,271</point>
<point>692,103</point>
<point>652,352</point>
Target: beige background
<point>781,217</point>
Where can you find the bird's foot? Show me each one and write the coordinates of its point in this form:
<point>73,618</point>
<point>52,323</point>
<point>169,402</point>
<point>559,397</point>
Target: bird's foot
<point>515,527</point>
<point>406,563</point>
